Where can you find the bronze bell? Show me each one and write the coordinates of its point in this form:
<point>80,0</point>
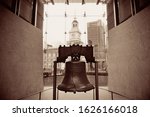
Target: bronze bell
<point>75,79</point>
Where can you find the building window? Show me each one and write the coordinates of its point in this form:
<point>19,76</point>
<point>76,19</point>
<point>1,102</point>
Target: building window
<point>49,54</point>
<point>141,4</point>
<point>123,9</point>
<point>110,15</point>
<point>6,3</point>
<point>53,55</point>
<point>32,12</point>
<point>26,7</point>
<point>40,15</point>
<point>29,10</point>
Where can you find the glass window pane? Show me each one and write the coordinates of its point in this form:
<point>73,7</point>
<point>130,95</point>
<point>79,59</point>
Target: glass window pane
<point>110,14</point>
<point>40,15</point>
<point>26,10</point>
<point>124,10</point>
<point>140,4</point>
<point>7,3</point>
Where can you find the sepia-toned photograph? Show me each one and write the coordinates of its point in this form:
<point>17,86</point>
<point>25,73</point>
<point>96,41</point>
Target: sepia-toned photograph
<point>75,50</point>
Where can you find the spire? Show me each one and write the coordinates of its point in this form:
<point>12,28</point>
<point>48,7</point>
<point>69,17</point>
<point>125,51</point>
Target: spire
<point>74,34</point>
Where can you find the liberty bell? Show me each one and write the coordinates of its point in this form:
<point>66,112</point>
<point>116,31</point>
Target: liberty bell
<point>75,79</point>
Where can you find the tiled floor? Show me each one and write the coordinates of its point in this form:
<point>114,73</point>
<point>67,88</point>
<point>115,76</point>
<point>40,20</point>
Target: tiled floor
<point>77,96</point>
<point>47,94</point>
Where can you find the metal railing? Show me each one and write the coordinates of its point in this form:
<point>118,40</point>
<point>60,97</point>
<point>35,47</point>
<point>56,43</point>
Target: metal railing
<point>111,92</point>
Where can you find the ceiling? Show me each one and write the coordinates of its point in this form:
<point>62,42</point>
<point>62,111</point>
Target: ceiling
<point>74,1</point>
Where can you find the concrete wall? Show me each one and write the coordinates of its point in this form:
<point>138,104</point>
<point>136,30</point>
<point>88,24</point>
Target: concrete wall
<point>129,56</point>
<point>21,57</point>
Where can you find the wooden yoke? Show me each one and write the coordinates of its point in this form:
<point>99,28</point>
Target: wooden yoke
<point>75,51</point>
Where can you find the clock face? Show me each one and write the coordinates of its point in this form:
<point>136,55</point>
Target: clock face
<point>75,35</point>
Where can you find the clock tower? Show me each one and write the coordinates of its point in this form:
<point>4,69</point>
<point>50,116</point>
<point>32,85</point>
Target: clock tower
<point>74,34</point>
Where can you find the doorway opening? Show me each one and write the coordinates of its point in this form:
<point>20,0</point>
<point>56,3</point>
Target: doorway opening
<point>57,28</point>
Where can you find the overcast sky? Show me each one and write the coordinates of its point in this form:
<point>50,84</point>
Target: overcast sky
<point>56,23</point>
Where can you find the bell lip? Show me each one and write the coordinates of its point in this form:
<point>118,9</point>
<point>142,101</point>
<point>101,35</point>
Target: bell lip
<point>67,90</point>
<point>62,87</point>
<point>88,88</point>
<point>74,89</point>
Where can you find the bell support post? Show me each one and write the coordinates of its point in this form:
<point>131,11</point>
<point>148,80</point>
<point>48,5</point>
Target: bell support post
<point>54,80</point>
<point>96,81</point>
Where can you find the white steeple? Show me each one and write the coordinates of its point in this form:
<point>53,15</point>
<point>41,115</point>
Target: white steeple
<point>74,34</point>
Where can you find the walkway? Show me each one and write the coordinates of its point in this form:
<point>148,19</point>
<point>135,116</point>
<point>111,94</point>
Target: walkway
<point>47,94</point>
<point>104,93</point>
